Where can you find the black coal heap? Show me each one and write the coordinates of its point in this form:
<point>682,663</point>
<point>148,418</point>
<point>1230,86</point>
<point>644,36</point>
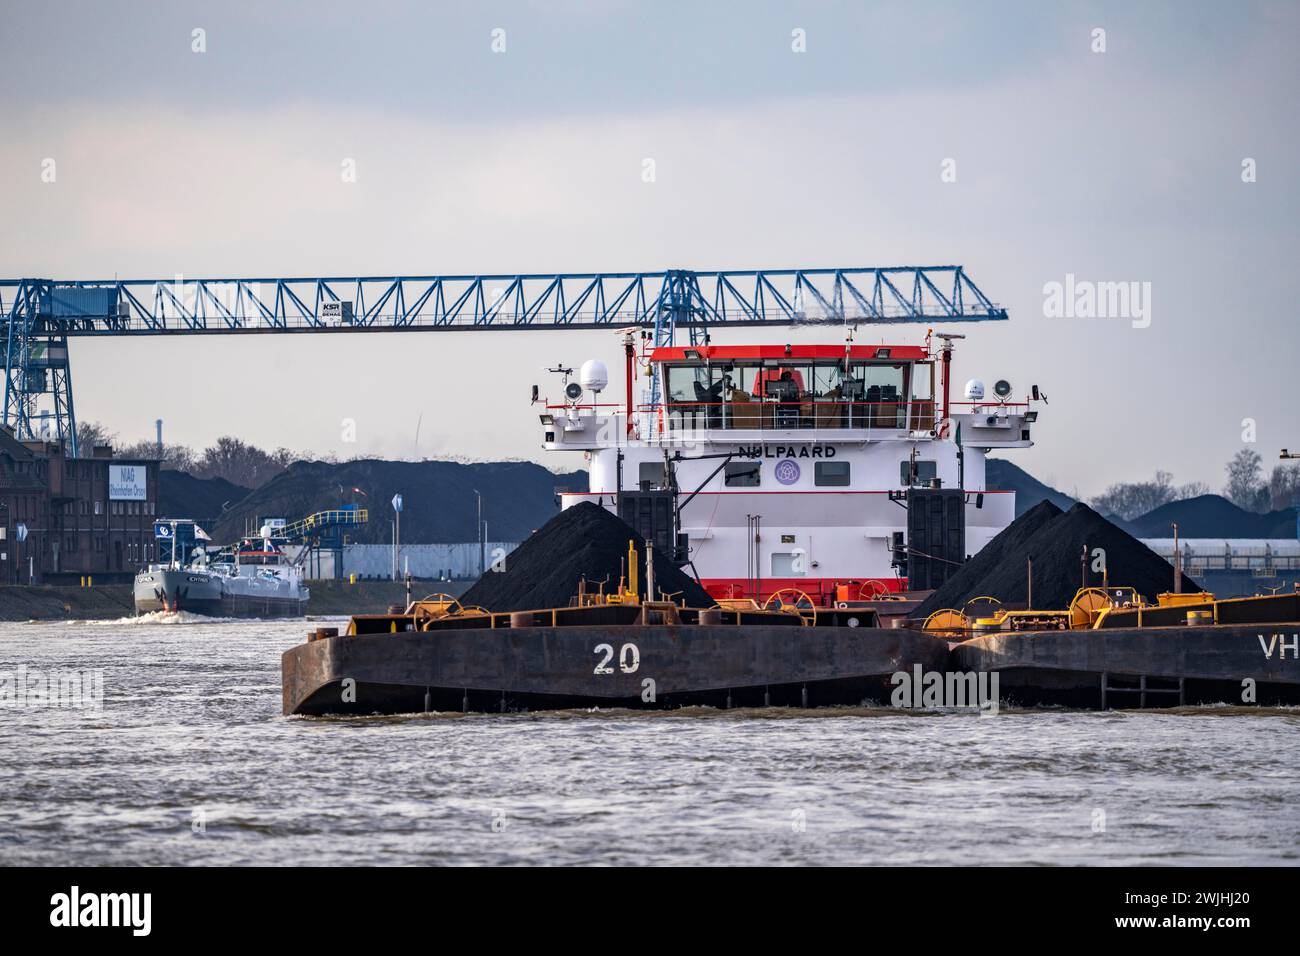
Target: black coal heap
<point>585,541</point>
<point>1056,546</point>
<point>1007,546</point>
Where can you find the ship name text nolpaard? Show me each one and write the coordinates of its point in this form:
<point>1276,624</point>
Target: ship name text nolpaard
<point>786,451</point>
<point>938,689</point>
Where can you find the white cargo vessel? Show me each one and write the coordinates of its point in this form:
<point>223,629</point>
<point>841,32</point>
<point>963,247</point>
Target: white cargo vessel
<point>254,578</point>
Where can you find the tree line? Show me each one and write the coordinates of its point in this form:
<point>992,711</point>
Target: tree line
<point>1248,487</point>
<point>228,457</point>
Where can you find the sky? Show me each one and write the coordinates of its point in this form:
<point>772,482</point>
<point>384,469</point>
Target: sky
<point>992,135</point>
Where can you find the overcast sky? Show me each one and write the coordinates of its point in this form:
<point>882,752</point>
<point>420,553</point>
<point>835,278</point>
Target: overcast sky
<point>1122,165</point>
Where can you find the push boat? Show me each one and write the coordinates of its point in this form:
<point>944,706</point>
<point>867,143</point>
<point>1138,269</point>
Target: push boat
<point>763,468</point>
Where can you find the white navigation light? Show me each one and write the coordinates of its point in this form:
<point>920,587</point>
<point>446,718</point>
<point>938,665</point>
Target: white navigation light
<point>594,375</point>
<point>1002,388</point>
<point>974,390</point>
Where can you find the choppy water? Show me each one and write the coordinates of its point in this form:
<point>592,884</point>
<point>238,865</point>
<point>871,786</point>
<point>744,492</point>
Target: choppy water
<point>190,762</point>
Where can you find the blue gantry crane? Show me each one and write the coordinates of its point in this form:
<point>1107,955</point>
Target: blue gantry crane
<point>40,315</point>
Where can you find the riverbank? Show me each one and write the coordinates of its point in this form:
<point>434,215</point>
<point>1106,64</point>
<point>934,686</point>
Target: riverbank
<point>111,601</point>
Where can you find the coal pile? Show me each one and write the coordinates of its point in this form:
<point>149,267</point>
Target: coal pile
<point>1008,546</point>
<point>585,541</point>
<point>1212,516</point>
<point>181,495</point>
<point>440,500</point>
<point>1056,548</point>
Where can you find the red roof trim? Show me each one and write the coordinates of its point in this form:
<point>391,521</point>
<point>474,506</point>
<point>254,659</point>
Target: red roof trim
<point>714,353</point>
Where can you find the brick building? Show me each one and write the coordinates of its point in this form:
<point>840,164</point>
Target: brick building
<point>82,516</point>
<point>24,511</point>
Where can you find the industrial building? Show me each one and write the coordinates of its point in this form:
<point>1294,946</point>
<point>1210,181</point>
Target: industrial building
<point>1235,567</point>
<point>63,518</point>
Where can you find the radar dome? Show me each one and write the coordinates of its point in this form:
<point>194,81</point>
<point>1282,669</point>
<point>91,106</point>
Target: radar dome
<point>974,390</point>
<point>593,375</point>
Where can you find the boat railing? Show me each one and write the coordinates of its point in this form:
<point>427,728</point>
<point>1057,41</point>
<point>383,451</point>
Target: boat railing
<point>805,413</point>
<point>766,414</point>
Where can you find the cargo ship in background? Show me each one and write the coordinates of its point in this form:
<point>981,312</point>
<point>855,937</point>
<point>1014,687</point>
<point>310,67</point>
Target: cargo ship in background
<point>841,471</point>
<point>253,578</point>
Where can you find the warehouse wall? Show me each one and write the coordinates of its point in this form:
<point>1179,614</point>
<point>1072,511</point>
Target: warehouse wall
<point>458,560</point>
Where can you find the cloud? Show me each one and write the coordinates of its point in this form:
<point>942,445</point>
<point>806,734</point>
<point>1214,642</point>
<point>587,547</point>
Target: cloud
<point>1109,167</point>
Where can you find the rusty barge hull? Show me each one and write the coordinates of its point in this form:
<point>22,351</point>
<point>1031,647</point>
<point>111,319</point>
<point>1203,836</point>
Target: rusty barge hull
<point>655,667</point>
<point>1141,667</point>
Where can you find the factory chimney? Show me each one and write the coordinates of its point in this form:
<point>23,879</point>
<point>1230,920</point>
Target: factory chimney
<point>158,426</point>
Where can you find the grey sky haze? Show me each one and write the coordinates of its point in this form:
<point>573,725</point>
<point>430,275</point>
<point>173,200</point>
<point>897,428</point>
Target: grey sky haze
<point>1117,166</point>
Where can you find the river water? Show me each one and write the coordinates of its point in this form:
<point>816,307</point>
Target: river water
<point>188,761</point>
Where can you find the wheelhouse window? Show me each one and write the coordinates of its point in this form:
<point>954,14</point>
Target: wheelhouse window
<point>923,407</point>
<point>879,393</point>
<point>796,393</point>
<point>696,393</point>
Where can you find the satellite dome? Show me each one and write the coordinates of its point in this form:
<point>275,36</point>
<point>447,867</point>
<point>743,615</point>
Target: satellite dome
<point>593,375</point>
<point>974,390</point>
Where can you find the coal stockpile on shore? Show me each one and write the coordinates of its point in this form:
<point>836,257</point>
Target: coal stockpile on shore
<point>584,541</point>
<point>1007,546</point>
<point>1056,548</point>
<point>181,495</point>
<point>441,498</point>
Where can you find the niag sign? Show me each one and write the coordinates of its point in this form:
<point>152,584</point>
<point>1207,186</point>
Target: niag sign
<point>126,482</point>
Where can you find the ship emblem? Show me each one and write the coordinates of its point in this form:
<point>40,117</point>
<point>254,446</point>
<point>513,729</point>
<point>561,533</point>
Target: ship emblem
<point>787,471</point>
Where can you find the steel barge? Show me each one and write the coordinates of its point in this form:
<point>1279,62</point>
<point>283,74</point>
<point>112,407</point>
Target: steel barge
<point>1189,649</point>
<point>437,656</point>
<point>652,655</point>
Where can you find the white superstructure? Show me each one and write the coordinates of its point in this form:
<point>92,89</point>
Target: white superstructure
<point>824,441</point>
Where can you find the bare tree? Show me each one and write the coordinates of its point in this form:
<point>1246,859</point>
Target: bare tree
<point>1284,487</point>
<point>241,463</point>
<point>90,434</point>
<point>1246,487</point>
<point>1133,499</point>
<point>174,457</point>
